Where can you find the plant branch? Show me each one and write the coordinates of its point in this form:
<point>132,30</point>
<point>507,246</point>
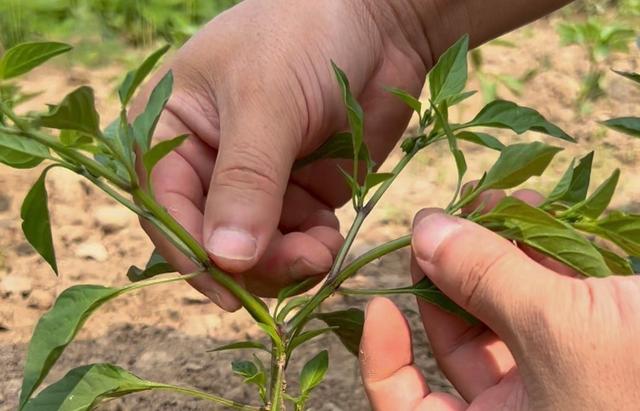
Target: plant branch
<point>349,271</point>
<point>277,381</point>
<point>252,304</point>
<point>209,397</point>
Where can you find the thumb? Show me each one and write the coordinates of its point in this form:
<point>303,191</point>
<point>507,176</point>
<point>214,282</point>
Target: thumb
<point>485,274</point>
<point>244,202</point>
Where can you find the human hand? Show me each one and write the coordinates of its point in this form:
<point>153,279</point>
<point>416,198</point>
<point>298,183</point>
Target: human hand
<point>254,91</point>
<point>549,339</point>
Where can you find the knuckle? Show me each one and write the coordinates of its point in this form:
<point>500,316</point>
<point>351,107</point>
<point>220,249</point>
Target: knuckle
<point>251,172</point>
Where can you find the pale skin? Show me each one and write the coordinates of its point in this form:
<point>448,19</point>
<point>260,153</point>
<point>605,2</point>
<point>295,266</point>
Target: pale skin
<point>254,91</point>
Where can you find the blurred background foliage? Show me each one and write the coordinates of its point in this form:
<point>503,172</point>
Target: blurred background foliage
<point>98,27</point>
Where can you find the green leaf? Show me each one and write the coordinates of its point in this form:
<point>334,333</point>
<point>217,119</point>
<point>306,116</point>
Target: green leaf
<point>134,78</point>
<point>271,332</point>
<point>145,124</point>
<point>481,139</point>
<point>313,372</point>
<point>243,345</point>
<point>574,184</point>
<point>348,327</point>
<point>16,159</point>
<point>339,146</point>
<point>74,138</point>
<point>27,56</point>
<point>505,114</point>
<point>620,228</point>
<point>295,289</point>
<point>58,327</point>
<point>246,369</point>
<point>635,264</point>
<point>85,387</point>
<point>36,223</point>
<point>449,76</point>
<point>427,291</point>
<point>517,163</point>
<point>597,202</point>
<point>160,150</point>
<point>626,125</point>
<point>617,264</point>
<point>355,114</point>
<point>630,75</point>
<point>375,179</point>
<point>292,304</point>
<point>155,266</point>
<point>459,98</point>
<point>518,221</point>
<point>76,112</point>
<point>406,98</point>
<point>306,336</point>
<point>19,150</point>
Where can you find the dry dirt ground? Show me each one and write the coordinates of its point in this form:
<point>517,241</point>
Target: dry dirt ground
<point>163,333</point>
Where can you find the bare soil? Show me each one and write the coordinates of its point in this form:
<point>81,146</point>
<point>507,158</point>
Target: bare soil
<point>163,333</point>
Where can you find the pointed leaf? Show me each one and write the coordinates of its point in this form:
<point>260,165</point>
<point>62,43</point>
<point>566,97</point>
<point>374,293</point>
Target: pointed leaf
<point>36,223</point>
<point>76,112</point>
<point>155,266</point>
<point>84,387</point>
<point>313,372</point>
<point>21,152</point>
<point>412,102</point>
<point>59,326</point>
<point>449,76</point>
<point>17,159</point>
<point>292,304</point>
<point>145,124</point>
<point>427,291</point>
<point>27,56</point>
<point>459,98</point>
<point>630,75</point>
<point>597,202</point>
<point>355,114</point>
<point>375,179</point>
<point>243,345</point>
<point>307,336</point>
<point>295,289</point>
<point>159,151</point>
<point>134,78</point>
<point>517,163</point>
<point>518,221</point>
<point>349,325</point>
<point>617,264</point>
<point>339,146</point>
<point>574,184</point>
<point>505,114</point>
<point>626,125</point>
<point>481,139</point>
<point>619,228</point>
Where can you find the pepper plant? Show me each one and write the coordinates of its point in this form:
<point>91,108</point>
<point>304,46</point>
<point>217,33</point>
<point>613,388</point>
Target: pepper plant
<point>69,136</point>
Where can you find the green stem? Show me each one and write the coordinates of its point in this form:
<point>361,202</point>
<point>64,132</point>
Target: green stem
<point>277,385</point>
<point>211,398</point>
<point>252,304</point>
<point>349,271</point>
<point>92,166</point>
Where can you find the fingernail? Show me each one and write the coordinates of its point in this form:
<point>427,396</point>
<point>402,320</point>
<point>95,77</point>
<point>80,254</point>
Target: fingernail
<point>430,232</point>
<point>232,244</point>
<point>212,295</point>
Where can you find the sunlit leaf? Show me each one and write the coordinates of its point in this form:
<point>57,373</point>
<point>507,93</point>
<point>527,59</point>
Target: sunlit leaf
<point>481,139</point>
<point>313,372</point>
<point>134,78</point>
<point>505,114</point>
<point>517,163</point>
<point>155,266</point>
<point>620,228</point>
<point>161,150</point>
<point>85,387</point>
<point>574,184</point>
<point>626,125</point>
<point>449,76</point>
<point>242,345</point>
<point>518,221</point>
<point>145,124</point>
<point>406,98</point>
<point>76,112</point>
<point>617,264</point>
<point>27,56</point>
<point>597,202</point>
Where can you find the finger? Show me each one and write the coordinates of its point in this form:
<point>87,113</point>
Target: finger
<point>390,379</point>
<point>298,206</point>
<point>257,147</point>
<point>177,188</point>
<point>496,282</point>
<point>472,357</point>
